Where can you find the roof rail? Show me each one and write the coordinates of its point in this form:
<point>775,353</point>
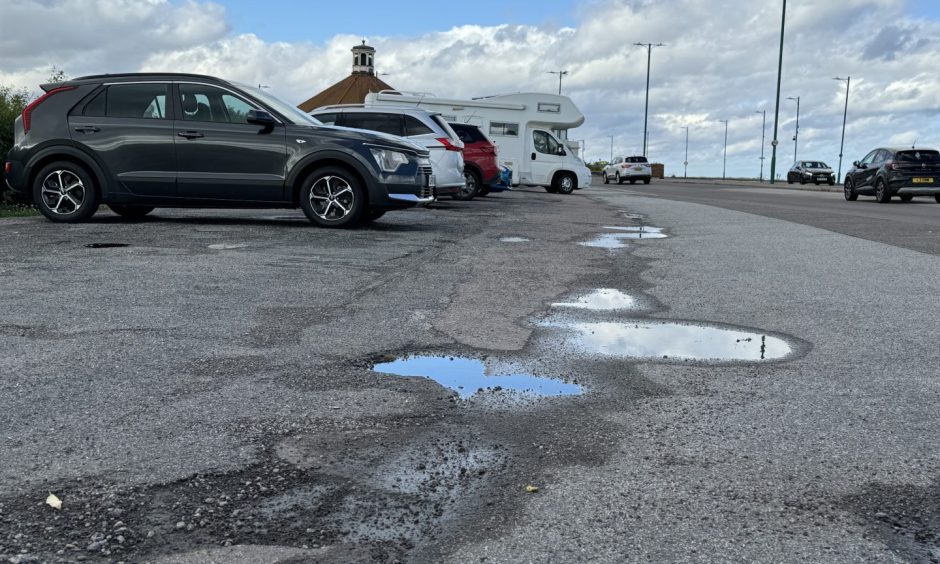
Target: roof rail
<point>335,106</point>
<point>408,93</point>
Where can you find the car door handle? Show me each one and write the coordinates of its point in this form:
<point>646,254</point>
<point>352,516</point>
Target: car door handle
<point>190,134</point>
<point>87,129</point>
<point>533,156</point>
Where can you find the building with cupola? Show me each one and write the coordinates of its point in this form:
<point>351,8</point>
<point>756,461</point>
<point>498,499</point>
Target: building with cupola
<point>353,88</point>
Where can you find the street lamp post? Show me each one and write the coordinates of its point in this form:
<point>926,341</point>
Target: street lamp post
<point>646,112</point>
<point>611,149</point>
<point>773,155</point>
<point>845,114</point>
<point>724,163</point>
<point>763,137</point>
<point>685,163</point>
<point>796,135</point>
<point>560,74</point>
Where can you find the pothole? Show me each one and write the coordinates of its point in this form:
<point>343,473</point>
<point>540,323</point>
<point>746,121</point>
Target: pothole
<point>468,376</point>
<point>106,245</point>
<point>644,339</point>
<point>615,240</point>
<point>602,299</point>
<point>513,240</point>
<point>227,246</point>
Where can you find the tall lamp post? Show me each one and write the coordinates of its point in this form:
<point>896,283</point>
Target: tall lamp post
<point>560,74</point>
<point>611,149</point>
<point>646,112</point>
<point>763,137</point>
<point>685,163</point>
<point>796,135</point>
<point>848,81</point>
<point>724,163</point>
<point>773,154</point>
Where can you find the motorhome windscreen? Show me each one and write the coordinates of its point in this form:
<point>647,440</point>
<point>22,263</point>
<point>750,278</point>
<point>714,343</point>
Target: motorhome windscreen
<point>504,129</point>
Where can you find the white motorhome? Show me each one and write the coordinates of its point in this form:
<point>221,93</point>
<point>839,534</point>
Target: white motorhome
<point>529,129</point>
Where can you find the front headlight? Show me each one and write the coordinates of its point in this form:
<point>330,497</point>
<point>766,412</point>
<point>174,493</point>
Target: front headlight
<point>424,161</point>
<point>389,160</point>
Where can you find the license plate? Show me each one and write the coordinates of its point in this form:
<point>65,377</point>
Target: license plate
<point>638,168</point>
<point>432,181</point>
<point>923,181</point>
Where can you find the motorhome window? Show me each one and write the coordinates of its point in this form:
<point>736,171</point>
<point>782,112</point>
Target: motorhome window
<point>545,143</point>
<point>546,107</point>
<point>449,118</point>
<point>413,126</point>
<point>383,123</point>
<point>504,129</point>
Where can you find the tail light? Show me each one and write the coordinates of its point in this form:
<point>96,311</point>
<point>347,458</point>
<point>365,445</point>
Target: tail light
<point>488,148</point>
<point>448,145</point>
<point>8,167</point>
<point>893,165</point>
<point>28,110</point>
<point>624,165</point>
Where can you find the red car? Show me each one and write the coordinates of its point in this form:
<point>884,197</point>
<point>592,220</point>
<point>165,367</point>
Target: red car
<point>479,155</point>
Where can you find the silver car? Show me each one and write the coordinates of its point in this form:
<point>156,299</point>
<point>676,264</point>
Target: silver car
<point>425,128</point>
<point>810,171</point>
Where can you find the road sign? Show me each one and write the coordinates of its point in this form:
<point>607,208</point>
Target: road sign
<point>774,142</point>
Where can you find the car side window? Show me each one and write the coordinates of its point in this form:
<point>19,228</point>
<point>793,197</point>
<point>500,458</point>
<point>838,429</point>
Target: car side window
<point>383,123</point>
<point>869,158</point>
<point>413,126</point>
<point>544,143</point>
<point>883,156</point>
<point>143,101</point>
<point>201,102</point>
<point>327,119</point>
<point>98,105</point>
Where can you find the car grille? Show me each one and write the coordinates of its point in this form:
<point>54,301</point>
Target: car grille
<point>427,191</point>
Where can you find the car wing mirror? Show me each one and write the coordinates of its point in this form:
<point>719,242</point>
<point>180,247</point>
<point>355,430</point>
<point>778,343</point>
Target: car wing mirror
<point>855,164</point>
<point>561,152</point>
<point>262,118</point>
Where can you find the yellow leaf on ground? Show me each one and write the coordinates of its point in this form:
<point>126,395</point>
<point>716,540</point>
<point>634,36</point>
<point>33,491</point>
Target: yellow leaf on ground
<point>531,489</point>
<point>54,502</point>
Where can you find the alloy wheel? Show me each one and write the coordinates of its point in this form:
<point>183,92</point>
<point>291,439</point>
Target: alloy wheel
<point>63,192</point>
<point>332,198</point>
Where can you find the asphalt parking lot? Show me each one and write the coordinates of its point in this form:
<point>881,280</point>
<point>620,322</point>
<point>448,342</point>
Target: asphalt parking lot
<point>205,392</point>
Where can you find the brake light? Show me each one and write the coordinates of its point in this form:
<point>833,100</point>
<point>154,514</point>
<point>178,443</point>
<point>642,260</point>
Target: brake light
<point>28,110</point>
<point>624,165</point>
<point>8,168</point>
<point>448,145</point>
<point>488,148</point>
<point>893,165</point>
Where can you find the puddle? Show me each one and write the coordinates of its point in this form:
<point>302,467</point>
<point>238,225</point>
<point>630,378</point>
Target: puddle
<point>467,376</point>
<point>607,241</point>
<point>106,245</point>
<point>603,299</point>
<point>513,240</point>
<point>227,246</point>
<point>615,240</point>
<point>666,340</point>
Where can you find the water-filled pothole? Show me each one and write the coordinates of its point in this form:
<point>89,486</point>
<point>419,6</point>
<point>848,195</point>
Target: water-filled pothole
<point>602,299</point>
<point>615,240</point>
<point>467,376</point>
<point>645,339</point>
<point>513,240</point>
<point>227,246</point>
<point>106,245</point>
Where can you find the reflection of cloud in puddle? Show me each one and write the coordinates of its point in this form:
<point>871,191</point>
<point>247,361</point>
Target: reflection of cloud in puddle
<point>615,240</point>
<point>603,299</point>
<point>467,376</point>
<point>655,340</point>
<point>635,228</point>
<point>513,240</point>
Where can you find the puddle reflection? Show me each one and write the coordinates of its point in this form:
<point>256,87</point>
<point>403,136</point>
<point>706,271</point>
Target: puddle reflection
<point>467,376</point>
<point>513,240</point>
<point>603,299</point>
<point>658,340</point>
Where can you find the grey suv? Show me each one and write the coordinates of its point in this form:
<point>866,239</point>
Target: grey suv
<point>140,141</point>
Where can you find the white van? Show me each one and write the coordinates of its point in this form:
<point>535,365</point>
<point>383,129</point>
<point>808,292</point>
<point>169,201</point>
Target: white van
<point>530,130</point>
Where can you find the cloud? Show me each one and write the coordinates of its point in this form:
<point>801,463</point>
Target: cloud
<point>719,62</point>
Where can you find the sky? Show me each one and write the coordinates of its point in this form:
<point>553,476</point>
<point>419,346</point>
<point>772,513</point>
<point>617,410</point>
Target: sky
<point>719,62</point>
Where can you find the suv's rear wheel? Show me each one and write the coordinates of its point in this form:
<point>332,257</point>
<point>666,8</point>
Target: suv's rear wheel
<point>130,212</point>
<point>881,192</point>
<point>333,197</point>
<point>65,192</point>
<point>564,183</point>
<point>471,186</point>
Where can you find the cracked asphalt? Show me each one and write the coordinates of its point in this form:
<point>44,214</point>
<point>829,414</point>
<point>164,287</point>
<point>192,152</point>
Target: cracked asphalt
<point>197,404</point>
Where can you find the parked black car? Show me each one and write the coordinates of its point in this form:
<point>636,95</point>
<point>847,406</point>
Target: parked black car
<point>140,141</point>
<point>811,171</point>
<point>905,173</point>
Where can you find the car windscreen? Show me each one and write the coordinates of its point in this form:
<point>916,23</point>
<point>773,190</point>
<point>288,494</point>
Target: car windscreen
<point>287,110</point>
<point>918,157</point>
<point>814,164</point>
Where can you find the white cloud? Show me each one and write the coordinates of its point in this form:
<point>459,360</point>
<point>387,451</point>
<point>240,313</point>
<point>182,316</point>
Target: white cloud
<point>719,63</point>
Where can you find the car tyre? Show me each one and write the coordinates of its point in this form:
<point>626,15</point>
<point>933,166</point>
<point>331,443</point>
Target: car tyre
<point>646,181</point>
<point>333,197</point>
<point>789,179</point>
<point>802,181</point>
<point>632,181</point>
<point>906,197</point>
<point>881,192</point>
<point>619,180</point>
<point>565,183</point>
<point>606,178</point>
<point>131,212</point>
<point>832,182</point>
<point>848,191</point>
<point>484,191</point>
<point>471,186</point>
<point>65,192</point>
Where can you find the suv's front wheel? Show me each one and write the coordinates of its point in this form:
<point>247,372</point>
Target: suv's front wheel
<point>65,192</point>
<point>333,197</point>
